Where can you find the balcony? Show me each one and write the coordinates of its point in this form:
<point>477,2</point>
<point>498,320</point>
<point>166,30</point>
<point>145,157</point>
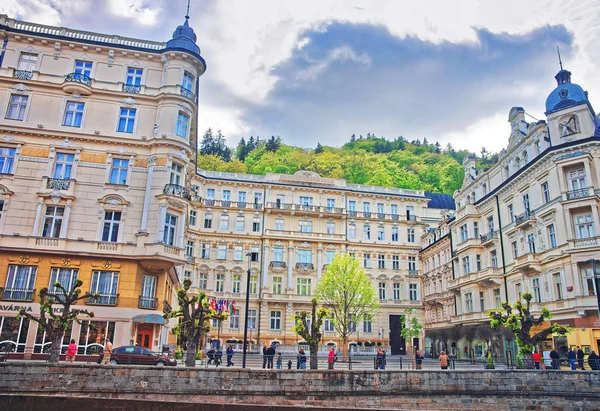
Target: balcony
<point>77,83</point>
<point>188,93</point>
<point>580,243</point>
<point>413,273</point>
<point>101,299</point>
<point>381,216</point>
<point>130,88</point>
<point>366,214</point>
<point>524,219</point>
<point>491,276</point>
<point>577,194</point>
<point>353,213</point>
<point>305,266</point>
<point>58,183</point>
<point>394,217</point>
<point>177,190</point>
<point>528,263</point>
<point>16,294</point>
<point>278,265</point>
<point>489,237</point>
<point>147,303</point>
<point>23,74</point>
<point>304,234</point>
<point>47,242</point>
<point>411,217</point>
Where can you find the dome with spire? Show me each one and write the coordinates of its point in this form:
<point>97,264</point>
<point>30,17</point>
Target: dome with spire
<point>184,38</point>
<point>566,94</point>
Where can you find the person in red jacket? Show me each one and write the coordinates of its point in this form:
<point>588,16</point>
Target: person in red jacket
<point>331,358</point>
<point>536,359</point>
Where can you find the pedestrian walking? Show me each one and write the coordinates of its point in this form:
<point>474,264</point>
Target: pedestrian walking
<point>580,355</point>
<point>555,359</point>
<point>594,361</point>
<point>279,360</point>
<point>219,356</point>
<point>418,359</point>
<point>264,352</point>
<point>270,356</point>
<point>301,359</point>
<point>381,359</point>
<point>331,358</point>
<point>443,360</point>
<point>108,347</point>
<point>71,352</point>
<point>230,353</point>
<point>572,358</point>
<point>536,357</point>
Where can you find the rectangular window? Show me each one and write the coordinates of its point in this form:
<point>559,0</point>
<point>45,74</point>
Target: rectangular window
<point>519,290</point>
<point>252,319</point>
<point>394,209</point>
<point>73,114</point>
<point>577,179</point>
<point>490,224</point>
<point>366,232</point>
<point>27,62</point>
<point>382,291</point>
<point>241,198</point>
<point>147,299</point>
<point>234,320</point>
<point>278,254</point>
<point>83,67</point>
<point>279,224</point>
<point>330,204</point>
<point>394,233</point>
<point>236,283</point>
<point>511,213</point>
<point>381,261</point>
<point>192,219</point>
<point>497,298</point>
<point>205,250</point>
<point>546,192</point>
<point>307,201</point>
<point>411,235</point>
<point>482,301</point>
<point>531,242</point>
<point>176,176</point>
<point>352,231</point>
<point>558,286</point>
<point>220,284</point>
<point>66,277</point>
<point>305,226</point>
<point>188,82</point>
<point>537,294</point>
<point>53,220</point>
<point>208,221</point>
<point>329,256</point>
<point>395,262</point>
<point>224,222</point>
<point>464,234</point>
<point>303,286</point>
<point>240,221</point>
<point>412,264</point>
<point>380,210</point>
<point>17,107</point>
<point>277,282</point>
<point>110,229</point>
<point>515,249</point>
<point>366,207</point>
<point>367,326</point>
<point>305,256</point>
<point>126,120</point>
<point>202,281</point>
<point>118,171</point>
<point>210,194</point>
<point>187,275</point>
<point>330,228</point>
<point>7,159</point>
<point>63,165</point>
<point>413,292</point>
<point>256,224</point>
<point>584,226</point>
<point>469,302</point>
<point>221,252</point>
<point>253,284</point>
<point>275,320</point>
<point>238,253</point>
<point>20,282</point>
<point>105,284</point>
<point>134,76</point>
<point>475,229</point>
<point>494,259</point>
<point>183,121</point>
<point>478,262</point>
<point>552,235</point>
<point>466,266</point>
<point>189,248</point>
<point>396,289</point>
<point>380,234</point>
<point>367,260</point>
<point>351,205</point>
<point>328,325</point>
<point>526,207</point>
<point>254,254</point>
<point>170,229</point>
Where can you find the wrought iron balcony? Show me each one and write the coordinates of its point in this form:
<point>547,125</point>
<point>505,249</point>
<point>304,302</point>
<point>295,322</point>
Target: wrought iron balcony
<point>187,93</point>
<point>209,202</point>
<point>241,204</point>
<point>576,194</point>
<point>352,213</point>
<point>395,217</point>
<point>103,299</point>
<point>23,74</point>
<point>148,303</point>
<point>488,236</point>
<point>78,78</point>
<point>366,214</point>
<point>130,88</point>
<point>16,294</point>
<point>58,183</point>
<point>305,266</point>
<point>381,216</point>
<point>521,218</point>
<point>411,217</point>
<point>277,264</point>
<point>177,190</point>
<point>413,273</point>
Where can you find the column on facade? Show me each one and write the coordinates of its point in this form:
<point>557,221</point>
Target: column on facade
<point>181,231</point>
<point>319,261</point>
<point>588,174</point>
<point>266,266</point>
<point>65,224</point>
<point>144,224</point>
<point>290,264</point>
<point>38,216</point>
<point>595,219</point>
<point>561,180</point>
<point>160,230</point>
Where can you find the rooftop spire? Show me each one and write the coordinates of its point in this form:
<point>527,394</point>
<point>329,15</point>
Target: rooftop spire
<point>187,13</point>
<point>557,49</point>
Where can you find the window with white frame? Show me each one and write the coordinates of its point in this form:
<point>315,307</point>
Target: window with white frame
<point>482,301</point>
<point>187,275</point>
<point>536,290</point>
<point>192,219</point>
<point>305,226</point>
<point>73,114</point>
<point>329,256</point>
<point>183,121</point>
<point>518,290</point>
<point>395,262</point>
<point>497,298</point>
<point>205,250</point>
<point>469,302</point>
<point>256,224</point>
<point>242,198</point>
<point>220,283</point>
<point>236,282</point>
<point>66,277</point>
<point>330,228</point>
<point>366,260</point>
<point>202,281</point>
<point>551,235</point>
<point>494,258</point>
<point>584,226</point>
<point>234,320</point>
<point>367,326</point>
<point>147,299</point>
<point>20,282</point>
<point>188,82</point>
<point>126,120</point>
<point>366,232</point>
<point>240,222</point>
<point>305,256</point>
<point>17,107</point>
<point>475,229</point>
<point>279,224</point>
<point>381,261</point>
<point>352,231</point>
<point>110,228</point>
<point>308,201</point>
<point>252,319</point>
<point>531,242</point>
<point>394,233</point>
<point>105,284</point>
<point>351,205</point>
<point>382,291</point>
<point>118,171</point>
<point>210,194</point>
<point>224,222</point>
<point>526,206</point>
<point>412,264</point>
<point>238,253</point>
<point>558,288</point>
<point>328,325</point>
<point>208,221</point>
<point>278,254</point>
<point>63,166</point>
<point>511,213</point>
<point>466,266</point>
<point>490,224</point>
<point>515,249</point>
<point>478,262</point>
<point>277,285</point>
<point>53,220</point>
<point>253,284</point>
<point>27,62</point>
<point>546,192</point>
<point>275,320</point>
<point>464,233</point>
<point>170,229</point>
<point>303,286</point>
<point>366,207</point>
<point>577,179</point>
<point>380,234</point>
<point>7,160</point>
<point>176,174</point>
<point>82,68</point>
<point>396,291</point>
<point>134,76</point>
<point>189,248</point>
<point>413,292</point>
<point>411,235</point>
<point>330,204</point>
<point>222,252</point>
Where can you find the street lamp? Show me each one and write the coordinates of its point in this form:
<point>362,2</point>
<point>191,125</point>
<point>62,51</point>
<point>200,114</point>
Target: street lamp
<point>249,255</point>
<point>596,277</point>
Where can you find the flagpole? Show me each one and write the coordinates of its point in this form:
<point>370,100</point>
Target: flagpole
<point>249,255</point>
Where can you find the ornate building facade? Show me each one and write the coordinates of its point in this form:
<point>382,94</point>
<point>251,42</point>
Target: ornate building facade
<point>97,142</point>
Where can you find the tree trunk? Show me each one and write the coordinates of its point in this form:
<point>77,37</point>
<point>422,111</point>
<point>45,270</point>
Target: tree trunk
<point>55,338</point>
<point>344,347</point>
<point>190,353</point>
<point>314,360</point>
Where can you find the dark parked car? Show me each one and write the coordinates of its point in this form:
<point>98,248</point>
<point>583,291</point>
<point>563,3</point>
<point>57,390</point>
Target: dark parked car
<point>138,356</point>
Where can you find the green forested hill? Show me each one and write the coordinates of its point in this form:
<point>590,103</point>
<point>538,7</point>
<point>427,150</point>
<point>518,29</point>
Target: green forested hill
<point>363,160</point>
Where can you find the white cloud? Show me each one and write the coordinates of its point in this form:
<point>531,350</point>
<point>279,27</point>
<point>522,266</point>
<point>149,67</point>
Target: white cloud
<point>139,10</point>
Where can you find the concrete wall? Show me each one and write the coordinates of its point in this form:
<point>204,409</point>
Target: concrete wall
<point>465,390</point>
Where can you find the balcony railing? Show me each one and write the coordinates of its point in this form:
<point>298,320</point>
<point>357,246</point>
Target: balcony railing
<point>381,216</point>
<point>177,190</point>
<point>395,217</point>
<point>411,217</point>
<point>489,236</point>
<point>103,300</point>
<point>23,74</point>
<point>78,78</point>
<point>353,213</point>
<point>130,88</point>
<point>16,294</point>
<point>148,303</point>
<point>305,266</point>
<point>576,194</point>
<point>187,93</point>
<point>585,242</point>
<point>58,183</point>
<point>277,264</point>
<point>413,273</point>
<point>366,214</point>
<point>521,218</point>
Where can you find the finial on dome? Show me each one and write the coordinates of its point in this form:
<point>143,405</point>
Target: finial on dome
<point>187,13</point>
<point>557,49</point>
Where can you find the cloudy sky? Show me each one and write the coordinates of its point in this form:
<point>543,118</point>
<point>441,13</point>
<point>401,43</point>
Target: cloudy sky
<point>320,70</point>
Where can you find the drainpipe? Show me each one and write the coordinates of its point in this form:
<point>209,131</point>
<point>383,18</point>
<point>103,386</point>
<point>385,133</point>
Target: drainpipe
<point>502,248</point>
<point>262,247</point>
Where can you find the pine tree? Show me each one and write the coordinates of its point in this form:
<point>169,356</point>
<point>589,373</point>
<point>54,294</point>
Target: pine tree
<point>242,150</point>
<point>353,138</point>
<point>319,149</point>
<point>207,143</point>
<point>273,144</point>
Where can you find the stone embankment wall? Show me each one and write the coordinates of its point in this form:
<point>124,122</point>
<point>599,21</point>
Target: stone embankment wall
<point>222,389</point>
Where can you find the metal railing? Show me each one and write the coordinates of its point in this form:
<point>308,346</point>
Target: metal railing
<point>488,236</point>
<point>130,88</point>
<point>576,194</point>
<point>78,78</point>
<point>521,218</point>
<point>305,266</point>
<point>187,93</point>
<point>277,264</point>
<point>147,302</point>
<point>17,294</point>
<point>58,183</point>
<point>103,300</point>
<point>177,190</point>
<point>23,74</point>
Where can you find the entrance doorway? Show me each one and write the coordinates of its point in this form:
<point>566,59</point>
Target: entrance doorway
<point>397,343</point>
<point>144,335</point>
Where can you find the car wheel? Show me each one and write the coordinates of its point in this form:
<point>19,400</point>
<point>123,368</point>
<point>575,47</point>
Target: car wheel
<point>113,362</point>
<point>160,364</point>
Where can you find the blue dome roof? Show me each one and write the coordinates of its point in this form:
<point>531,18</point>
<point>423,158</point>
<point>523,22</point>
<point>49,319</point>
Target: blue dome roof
<point>566,94</point>
<point>184,38</point>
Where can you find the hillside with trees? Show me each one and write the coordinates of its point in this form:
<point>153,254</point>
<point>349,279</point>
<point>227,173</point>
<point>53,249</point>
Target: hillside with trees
<point>371,160</point>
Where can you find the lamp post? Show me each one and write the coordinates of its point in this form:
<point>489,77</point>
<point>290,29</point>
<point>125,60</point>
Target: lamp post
<point>596,277</point>
<point>249,255</point>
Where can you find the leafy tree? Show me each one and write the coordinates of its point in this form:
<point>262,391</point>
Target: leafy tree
<point>194,316</point>
<point>319,149</point>
<point>412,329</point>
<point>54,321</point>
<point>312,335</point>
<point>519,319</point>
<point>347,294</point>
